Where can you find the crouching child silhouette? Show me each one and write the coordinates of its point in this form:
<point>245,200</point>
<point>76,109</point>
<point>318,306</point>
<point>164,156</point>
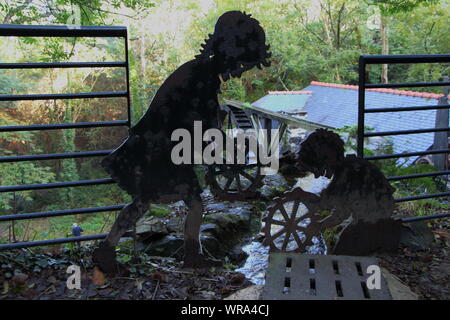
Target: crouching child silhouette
<point>142,164</point>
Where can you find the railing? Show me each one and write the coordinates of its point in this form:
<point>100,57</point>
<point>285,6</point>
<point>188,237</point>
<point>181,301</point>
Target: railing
<point>63,31</point>
<point>396,59</point>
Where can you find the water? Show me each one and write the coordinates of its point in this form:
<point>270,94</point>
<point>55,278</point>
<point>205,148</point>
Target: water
<point>256,265</point>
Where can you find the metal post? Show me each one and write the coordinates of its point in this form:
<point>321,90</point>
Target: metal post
<point>441,138</point>
<point>361,107</point>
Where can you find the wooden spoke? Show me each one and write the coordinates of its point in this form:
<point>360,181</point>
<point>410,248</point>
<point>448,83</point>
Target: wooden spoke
<point>303,217</point>
<point>279,233</point>
<point>248,176</point>
<point>295,209</point>
<point>298,240</point>
<point>278,222</point>
<point>228,184</point>
<point>286,241</point>
<point>283,212</point>
<point>238,180</point>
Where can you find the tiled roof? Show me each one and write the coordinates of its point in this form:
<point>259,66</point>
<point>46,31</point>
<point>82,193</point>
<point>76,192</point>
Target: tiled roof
<point>286,101</point>
<point>337,106</point>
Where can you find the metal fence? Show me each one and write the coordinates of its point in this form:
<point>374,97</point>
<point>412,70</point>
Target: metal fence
<point>63,31</point>
<point>363,86</point>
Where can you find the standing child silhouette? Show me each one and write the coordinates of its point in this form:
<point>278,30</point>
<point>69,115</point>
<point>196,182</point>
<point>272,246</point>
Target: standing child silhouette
<point>142,165</point>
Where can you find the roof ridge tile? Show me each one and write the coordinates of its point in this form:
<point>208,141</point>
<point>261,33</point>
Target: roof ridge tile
<point>418,94</point>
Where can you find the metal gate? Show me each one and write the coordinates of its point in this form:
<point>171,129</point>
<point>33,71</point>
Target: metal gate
<point>63,31</point>
<point>363,86</point>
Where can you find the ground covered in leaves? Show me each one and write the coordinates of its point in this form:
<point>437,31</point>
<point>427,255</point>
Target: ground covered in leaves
<point>425,272</point>
<point>41,275</point>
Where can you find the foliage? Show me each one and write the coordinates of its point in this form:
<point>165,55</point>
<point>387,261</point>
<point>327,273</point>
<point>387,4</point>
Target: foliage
<point>310,40</point>
<point>392,7</point>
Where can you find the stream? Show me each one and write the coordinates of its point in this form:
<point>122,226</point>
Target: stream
<point>256,264</point>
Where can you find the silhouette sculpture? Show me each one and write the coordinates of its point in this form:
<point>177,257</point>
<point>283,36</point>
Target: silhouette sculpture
<point>358,197</point>
<point>142,164</point>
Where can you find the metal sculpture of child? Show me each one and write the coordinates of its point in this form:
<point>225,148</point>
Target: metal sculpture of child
<point>142,164</point>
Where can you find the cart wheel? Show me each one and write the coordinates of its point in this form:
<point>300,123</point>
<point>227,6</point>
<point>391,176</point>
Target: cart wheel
<point>234,182</point>
<point>292,223</point>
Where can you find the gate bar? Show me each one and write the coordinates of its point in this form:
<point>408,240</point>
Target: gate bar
<point>58,213</point>
<point>400,109</point>
<point>53,96</point>
<point>77,125</point>
<point>18,30</point>
<point>419,175</point>
<point>55,156</point>
<point>53,185</point>
<point>54,65</point>
<point>399,132</point>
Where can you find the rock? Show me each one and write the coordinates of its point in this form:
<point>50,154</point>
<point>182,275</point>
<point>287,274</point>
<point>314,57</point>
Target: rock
<point>229,224</point>
<point>398,290</point>
<point>150,227</point>
<point>215,207</point>
<point>274,185</point>
<point>207,227</point>
<point>237,255</point>
<point>212,246</point>
<point>416,235</point>
<point>169,245</point>
<point>179,207</point>
<point>227,229</point>
<point>175,225</point>
<point>249,293</point>
<point>172,246</point>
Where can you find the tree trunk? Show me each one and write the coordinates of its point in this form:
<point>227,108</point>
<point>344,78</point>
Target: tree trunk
<point>384,48</point>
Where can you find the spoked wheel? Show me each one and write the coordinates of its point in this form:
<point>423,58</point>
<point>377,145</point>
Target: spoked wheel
<point>234,181</point>
<point>292,223</point>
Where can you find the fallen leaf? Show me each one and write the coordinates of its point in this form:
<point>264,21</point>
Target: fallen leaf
<point>442,233</point>
<point>5,287</point>
<point>98,278</point>
<point>237,279</point>
<point>161,277</point>
<point>139,284</point>
<point>19,279</point>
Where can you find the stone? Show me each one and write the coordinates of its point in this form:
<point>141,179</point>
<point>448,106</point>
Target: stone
<point>237,255</point>
<point>150,226</point>
<point>208,227</point>
<point>175,225</point>
<point>169,245</point>
<point>398,290</point>
<point>172,245</point>
<point>249,293</point>
<point>416,235</point>
<point>229,224</point>
<point>274,185</point>
<point>179,207</point>
<point>215,207</point>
